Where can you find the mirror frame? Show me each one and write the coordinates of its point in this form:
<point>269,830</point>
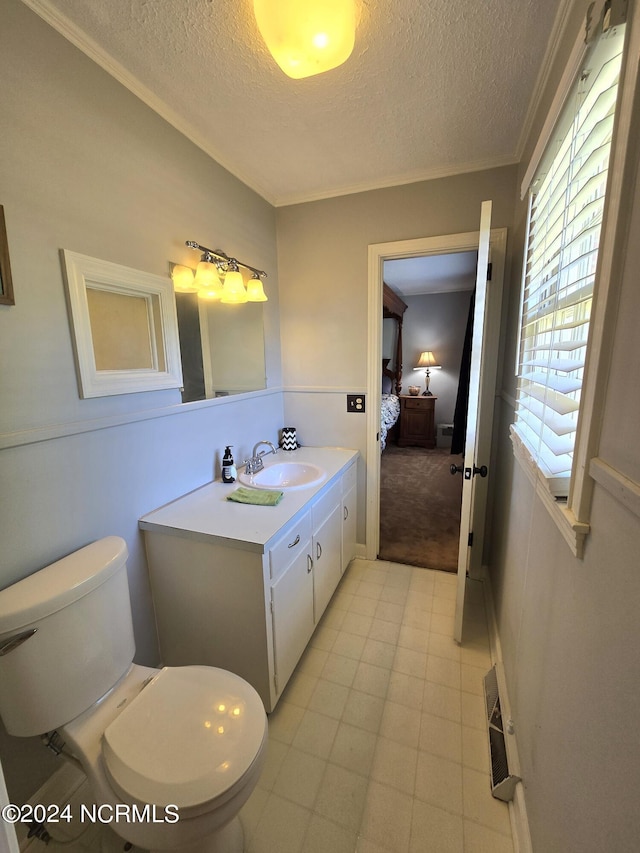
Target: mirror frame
<point>160,335</point>
<point>6,284</point>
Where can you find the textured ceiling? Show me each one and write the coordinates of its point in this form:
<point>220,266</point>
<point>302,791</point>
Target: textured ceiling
<point>432,273</point>
<point>433,87</point>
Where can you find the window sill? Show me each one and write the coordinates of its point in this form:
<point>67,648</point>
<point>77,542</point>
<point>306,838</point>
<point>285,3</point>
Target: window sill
<point>573,531</point>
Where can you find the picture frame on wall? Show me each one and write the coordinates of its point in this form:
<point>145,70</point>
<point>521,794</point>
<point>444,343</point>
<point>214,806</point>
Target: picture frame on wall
<point>6,284</point>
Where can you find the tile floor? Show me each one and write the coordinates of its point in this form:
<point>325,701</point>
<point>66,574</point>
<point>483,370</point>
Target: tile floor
<point>378,744</point>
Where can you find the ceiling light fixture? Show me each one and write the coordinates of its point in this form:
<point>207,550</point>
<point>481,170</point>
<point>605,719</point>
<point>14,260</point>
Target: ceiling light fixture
<point>217,267</point>
<point>307,37</point>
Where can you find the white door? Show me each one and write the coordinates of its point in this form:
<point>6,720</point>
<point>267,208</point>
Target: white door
<point>480,410</point>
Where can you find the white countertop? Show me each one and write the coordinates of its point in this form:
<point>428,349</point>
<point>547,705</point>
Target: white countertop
<point>206,514</point>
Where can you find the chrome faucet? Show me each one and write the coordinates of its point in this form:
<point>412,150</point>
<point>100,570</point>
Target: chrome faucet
<point>255,464</point>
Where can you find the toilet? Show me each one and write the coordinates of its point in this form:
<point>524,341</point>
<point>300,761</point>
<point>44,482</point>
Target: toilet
<point>171,754</point>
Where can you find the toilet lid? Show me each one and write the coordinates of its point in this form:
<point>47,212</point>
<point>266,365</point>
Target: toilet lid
<point>187,737</point>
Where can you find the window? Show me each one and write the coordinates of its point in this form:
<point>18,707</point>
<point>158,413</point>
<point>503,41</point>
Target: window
<point>567,202</point>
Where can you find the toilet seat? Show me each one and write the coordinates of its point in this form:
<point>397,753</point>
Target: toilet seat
<point>187,739</point>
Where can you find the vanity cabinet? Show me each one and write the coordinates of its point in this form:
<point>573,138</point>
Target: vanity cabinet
<point>326,550</point>
<point>292,616</point>
<point>305,582</point>
<point>349,515</point>
<point>242,605</point>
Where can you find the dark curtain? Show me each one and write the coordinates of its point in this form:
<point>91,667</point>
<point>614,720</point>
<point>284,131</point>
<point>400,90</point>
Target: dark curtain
<point>462,400</point>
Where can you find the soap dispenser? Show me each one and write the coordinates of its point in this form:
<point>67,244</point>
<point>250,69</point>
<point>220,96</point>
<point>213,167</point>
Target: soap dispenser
<point>229,471</point>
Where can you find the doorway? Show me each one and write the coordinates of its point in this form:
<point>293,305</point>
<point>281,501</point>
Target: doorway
<point>420,501</point>
<point>378,254</point>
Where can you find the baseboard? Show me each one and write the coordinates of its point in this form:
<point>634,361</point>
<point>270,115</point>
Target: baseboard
<point>517,806</point>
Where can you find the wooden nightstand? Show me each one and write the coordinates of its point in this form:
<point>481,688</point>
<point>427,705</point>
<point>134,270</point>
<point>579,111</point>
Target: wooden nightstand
<point>417,421</point>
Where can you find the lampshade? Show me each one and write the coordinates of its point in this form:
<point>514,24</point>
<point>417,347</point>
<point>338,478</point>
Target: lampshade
<point>207,276</point>
<point>427,362</point>
<point>182,278</point>
<point>255,290</point>
<point>212,293</point>
<point>427,359</point>
<point>233,291</point>
<point>307,37</point>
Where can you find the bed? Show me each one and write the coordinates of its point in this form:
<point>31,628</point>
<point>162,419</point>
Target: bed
<point>393,308</point>
<point>389,413</point>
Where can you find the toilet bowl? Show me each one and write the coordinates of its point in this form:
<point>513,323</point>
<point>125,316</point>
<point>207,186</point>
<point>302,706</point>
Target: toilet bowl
<point>171,754</point>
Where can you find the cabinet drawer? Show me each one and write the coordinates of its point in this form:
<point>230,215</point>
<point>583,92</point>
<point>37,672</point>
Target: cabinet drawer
<point>291,543</point>
<point>323,507</point>
<point>349,479</point>
<point>417,402</point>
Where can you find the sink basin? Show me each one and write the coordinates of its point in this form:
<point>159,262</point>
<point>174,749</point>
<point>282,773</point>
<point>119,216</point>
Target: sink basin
<point>285,475</point>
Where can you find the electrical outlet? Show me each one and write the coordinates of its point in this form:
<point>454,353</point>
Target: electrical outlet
<point>355,403</point>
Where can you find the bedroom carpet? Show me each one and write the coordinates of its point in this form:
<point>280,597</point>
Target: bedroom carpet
<point>419,507</point>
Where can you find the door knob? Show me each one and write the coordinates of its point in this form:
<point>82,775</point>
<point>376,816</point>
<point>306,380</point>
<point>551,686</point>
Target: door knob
<point>458,469</point>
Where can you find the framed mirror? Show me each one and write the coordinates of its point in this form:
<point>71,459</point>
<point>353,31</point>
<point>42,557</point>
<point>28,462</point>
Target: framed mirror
<point>6,285</point>
<point>125,328</point>
<point>222,347</point>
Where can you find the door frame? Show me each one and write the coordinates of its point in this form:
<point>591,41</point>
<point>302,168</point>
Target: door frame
<point>379,253</point>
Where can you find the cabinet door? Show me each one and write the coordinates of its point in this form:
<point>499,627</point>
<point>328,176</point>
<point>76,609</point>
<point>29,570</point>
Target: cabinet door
<point>349,526</point>
<point>292,615</point>
<point>327,559</point>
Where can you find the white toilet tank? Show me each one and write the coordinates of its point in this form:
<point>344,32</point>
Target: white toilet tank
<point>82,643</point>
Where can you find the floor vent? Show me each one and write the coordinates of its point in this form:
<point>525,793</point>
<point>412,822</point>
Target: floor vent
<point>503,783</point>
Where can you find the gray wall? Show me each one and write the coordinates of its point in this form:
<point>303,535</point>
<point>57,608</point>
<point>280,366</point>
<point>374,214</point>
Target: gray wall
<point>569,628</point>
<point>84,165</point>
<point>323,285</point>
<point>436,321</point>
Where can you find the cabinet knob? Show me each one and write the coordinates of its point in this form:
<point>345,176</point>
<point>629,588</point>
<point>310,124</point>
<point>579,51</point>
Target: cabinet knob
<point>309,564</point>
<point>346,513</point>
<point>295,542</point>
<point>318,550</point>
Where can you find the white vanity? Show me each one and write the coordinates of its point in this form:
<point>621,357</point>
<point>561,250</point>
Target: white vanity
<point>243,587</point>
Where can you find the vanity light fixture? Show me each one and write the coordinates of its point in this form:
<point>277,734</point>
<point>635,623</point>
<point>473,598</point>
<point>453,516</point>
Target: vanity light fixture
<point>307,37</point>
<point>207,276</point>
<point>211,292</point>
<point>255,290</point>
<point>233,290</point>
<point>183,280</point>
<point>219,268</point>
<point>427,362</point>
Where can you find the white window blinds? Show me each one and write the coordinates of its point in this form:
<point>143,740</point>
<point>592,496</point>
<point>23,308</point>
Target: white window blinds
<point>566,211</point>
